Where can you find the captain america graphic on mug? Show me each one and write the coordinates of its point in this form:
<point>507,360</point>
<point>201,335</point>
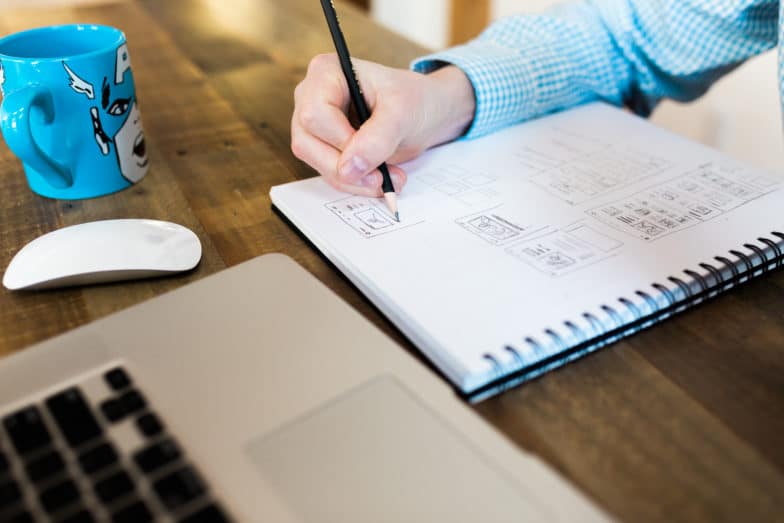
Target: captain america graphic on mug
<point>115,117</point>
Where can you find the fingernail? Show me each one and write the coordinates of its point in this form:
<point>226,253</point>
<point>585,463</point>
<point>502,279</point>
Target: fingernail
<point>353,169</point>
<point>371,181</point>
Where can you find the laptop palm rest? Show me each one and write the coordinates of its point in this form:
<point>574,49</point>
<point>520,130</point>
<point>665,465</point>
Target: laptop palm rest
<point>377,454</point>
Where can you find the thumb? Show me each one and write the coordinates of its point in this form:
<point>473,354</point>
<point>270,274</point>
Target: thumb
<point>373,144</point>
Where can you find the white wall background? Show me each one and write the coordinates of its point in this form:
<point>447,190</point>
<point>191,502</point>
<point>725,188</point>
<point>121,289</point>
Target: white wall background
<point>740,115</point>
<point>423,21</point>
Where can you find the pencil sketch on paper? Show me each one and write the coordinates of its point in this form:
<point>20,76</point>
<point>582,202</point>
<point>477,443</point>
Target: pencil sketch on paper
<point>374,219</point>
<point>577,169</point>
<point>599,173</point>
<point>687,200</point>
<point>462,185</point>
<point>563,251</point>
<point>367,216</point>
<point>494,228</point>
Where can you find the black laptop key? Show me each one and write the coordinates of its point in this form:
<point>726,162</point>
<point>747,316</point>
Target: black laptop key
<point>209,514</point>
<point>136,512</point>
<point>74,417</point>
<point>10,494</point>
<point>19,517</point>
<point>44,467</point>
<point>59,496</point>
<point>113,487</point>
<point>27,430</point>
<point>118,379</point>
<point>113,410</point>
<point>178,488</point>
<point>133,401</point>
<point>156,456</point>
<point>82,516</point>
<point>97,459</point>
<point>149,425</point>
<point>129,402</point>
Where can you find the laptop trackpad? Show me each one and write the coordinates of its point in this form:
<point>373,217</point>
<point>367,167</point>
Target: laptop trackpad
<point>377,454</point>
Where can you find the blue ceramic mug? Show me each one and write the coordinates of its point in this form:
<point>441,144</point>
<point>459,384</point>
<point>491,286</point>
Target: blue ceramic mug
<point>69,110</point>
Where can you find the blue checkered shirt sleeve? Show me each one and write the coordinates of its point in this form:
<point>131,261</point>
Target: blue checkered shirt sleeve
<point>625,52</point>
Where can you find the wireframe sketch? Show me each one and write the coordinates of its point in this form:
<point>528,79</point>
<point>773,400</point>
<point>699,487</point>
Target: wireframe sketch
<point>561,147</point>
<point>694,197</point>
<point>367,216</point>
<point>557,260</point>
<point>493,228</point>
<point>373,219</point>
<point>560,252</point>
<point>601,170</point>
<point>473,189</point>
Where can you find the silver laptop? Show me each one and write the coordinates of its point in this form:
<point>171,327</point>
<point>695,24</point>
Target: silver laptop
<point>253,395</point>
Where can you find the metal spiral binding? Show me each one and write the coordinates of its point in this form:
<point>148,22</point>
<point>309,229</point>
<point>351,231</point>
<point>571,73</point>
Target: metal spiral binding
<point>601,335</point>
<point>775,248</point>
<point>746,261</point>
<point>699,278</point>
<point>652,304</point>
<point>578,333</point>
<point>535,345</point>
<point>718,277</point>
<point>731,266</point>
<point>759,252</point>
<point>516,355</point>
<point>666,292</point>
<point>632,308</point>
<point>497,367</point>
<point>556,338</point>
<point>594,321</point>
<point>613,314</point>
<point>686,289</point>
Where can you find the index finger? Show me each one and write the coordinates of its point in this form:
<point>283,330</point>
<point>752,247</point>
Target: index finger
<point>324,81</point>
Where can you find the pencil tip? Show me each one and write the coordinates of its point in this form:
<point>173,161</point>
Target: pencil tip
<point>391,199</point>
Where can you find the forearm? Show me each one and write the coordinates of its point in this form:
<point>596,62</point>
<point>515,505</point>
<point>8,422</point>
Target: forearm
<point>631,52</point>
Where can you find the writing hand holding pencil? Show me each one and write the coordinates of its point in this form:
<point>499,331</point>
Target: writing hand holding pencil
<point>408,113</point>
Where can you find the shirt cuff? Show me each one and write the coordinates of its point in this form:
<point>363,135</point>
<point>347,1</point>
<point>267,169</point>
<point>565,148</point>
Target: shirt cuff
<point>511,83</point>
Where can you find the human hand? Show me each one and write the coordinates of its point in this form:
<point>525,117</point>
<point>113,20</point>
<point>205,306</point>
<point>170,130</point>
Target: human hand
<point>411,112</point>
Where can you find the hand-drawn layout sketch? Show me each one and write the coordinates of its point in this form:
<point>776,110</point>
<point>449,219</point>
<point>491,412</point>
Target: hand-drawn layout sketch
<point>694,197</point>
<point>560,147</point>
<point>495,229</point>
<point>470,188</point>
<point>576,168</point>
<point>599,173</point>
<point>367,216</point>
<point>560,252</point>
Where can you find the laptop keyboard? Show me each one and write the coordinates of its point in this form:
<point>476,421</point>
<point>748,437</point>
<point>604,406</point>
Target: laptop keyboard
<point>60,461</point>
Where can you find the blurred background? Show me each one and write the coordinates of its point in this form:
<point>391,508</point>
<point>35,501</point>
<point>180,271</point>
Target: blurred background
<point>740,115</point>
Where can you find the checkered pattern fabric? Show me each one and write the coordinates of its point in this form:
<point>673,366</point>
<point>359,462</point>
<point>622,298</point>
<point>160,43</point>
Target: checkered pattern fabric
<point>626,52</point>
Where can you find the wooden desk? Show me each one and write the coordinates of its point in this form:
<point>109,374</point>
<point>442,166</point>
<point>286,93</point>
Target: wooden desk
<point>682,422</point>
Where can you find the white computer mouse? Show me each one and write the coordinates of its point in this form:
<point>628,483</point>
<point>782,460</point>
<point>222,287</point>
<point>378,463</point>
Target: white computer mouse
<point>103,251</point>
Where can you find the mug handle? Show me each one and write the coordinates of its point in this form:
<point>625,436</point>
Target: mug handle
<point>15,124</point>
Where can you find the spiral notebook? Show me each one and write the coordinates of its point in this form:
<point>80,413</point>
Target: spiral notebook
<point>524,250</point>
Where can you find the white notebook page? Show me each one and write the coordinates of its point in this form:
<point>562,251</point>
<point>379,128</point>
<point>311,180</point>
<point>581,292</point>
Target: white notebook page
<point>507,236</point>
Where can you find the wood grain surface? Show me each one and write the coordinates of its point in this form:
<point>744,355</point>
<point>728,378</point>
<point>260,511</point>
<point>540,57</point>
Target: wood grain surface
<point>683,422</point>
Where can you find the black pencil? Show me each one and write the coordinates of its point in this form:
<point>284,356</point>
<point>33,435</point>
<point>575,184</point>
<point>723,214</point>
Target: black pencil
<point>357,97</point>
